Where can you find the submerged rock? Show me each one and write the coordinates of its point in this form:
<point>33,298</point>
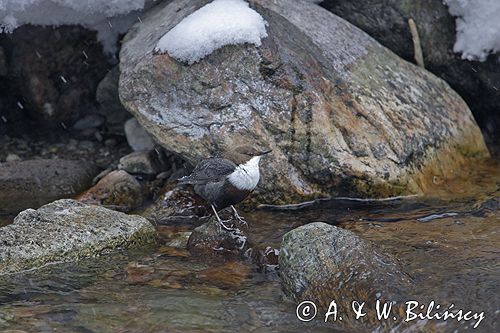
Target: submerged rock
<point>117,190</point>
<point>32,183</point>
<point>343,114</point>
<point>68,230</point>
<point>320,263</point>
<point>142,162</point>
<point>210,239</point>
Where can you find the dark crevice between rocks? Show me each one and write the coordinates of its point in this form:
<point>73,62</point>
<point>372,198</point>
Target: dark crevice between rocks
<point>50,79</point>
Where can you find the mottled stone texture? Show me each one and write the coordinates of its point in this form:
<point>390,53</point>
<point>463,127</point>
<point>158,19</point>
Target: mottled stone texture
<point>343,114</point>
<point>67,230</point>
<point>387,21</point>
<point>320,263</point>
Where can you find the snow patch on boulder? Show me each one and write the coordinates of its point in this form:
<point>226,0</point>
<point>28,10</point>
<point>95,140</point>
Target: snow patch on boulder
<point>478,27</point>
<point>220,23</point>
<point>109,18</point>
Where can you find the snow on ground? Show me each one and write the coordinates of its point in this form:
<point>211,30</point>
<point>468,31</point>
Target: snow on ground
<point>219,23</point>
<point>108,17</point>
<point>478,27</point>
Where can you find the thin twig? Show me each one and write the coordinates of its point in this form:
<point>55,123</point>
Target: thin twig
<point>419,58</point>
<point>306,204</point>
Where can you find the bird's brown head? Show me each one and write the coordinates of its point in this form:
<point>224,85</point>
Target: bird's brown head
<point>242,154</point>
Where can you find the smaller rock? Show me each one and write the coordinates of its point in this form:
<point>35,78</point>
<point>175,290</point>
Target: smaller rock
<point>320,263</point>
<point>178,206</point>
<point>32,183</point>
<point>109,102</point>
<point>137,137</point>
<point>89,121</point>
<point>117,190</point>
<point>101,175</point>
<point>12,158</point>
<point>180,240</point>
<point>86,144</point>
<point>68,230</point>
<point>210,239</point>
<point>72,144</point>
<point>141,162</point>
<point>110,142</point>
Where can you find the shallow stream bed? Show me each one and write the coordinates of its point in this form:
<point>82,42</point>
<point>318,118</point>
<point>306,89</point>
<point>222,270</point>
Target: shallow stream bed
<point>450,246</point>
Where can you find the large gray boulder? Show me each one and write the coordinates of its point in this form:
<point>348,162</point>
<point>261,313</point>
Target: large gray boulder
<point>343,114</point>
<point>320,263</point>
<point>67,230</point>
<point>387,21</point>
<point>32,183</point>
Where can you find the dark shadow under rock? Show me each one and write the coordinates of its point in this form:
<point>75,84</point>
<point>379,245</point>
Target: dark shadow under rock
<point>52,77</point>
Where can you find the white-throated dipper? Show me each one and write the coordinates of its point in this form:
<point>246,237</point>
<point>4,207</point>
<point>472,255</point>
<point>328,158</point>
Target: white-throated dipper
<point>225,182</point>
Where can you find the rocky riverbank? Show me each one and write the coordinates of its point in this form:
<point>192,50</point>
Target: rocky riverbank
<point>91,151</point>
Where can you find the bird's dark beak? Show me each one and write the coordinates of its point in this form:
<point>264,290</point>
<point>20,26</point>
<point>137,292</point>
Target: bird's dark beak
<point>265,152</point>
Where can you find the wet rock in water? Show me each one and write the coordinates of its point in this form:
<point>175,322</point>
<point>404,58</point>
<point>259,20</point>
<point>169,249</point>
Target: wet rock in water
<point>137,137</point>
<point>32,183</point>
<point>118,190</point>
<point>142,162</point>
<point>387,22</point>
<point>109,102</point>
<point>229,275</point>
<point>343,114</point>
<point>320,262</point>
<point>179,205</point>
<point>211,240</point>
<point>67,230</point>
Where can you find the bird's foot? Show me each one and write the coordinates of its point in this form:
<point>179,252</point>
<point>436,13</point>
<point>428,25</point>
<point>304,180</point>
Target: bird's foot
<point>222,225</point>
<point>241,220</point>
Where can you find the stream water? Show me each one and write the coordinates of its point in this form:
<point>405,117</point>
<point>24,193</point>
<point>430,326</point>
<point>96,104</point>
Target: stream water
<point>448,241</point>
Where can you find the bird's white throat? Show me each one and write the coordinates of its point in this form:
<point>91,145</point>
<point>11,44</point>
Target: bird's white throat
<point>246,176</point>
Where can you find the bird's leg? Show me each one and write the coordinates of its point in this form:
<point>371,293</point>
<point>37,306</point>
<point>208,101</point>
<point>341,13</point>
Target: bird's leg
<point>220,221</point>
<point>237,216</point>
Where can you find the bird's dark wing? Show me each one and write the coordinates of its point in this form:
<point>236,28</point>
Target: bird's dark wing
<point>209,170</point>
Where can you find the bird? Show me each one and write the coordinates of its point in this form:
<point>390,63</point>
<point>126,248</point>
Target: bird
<point>224,182</point>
